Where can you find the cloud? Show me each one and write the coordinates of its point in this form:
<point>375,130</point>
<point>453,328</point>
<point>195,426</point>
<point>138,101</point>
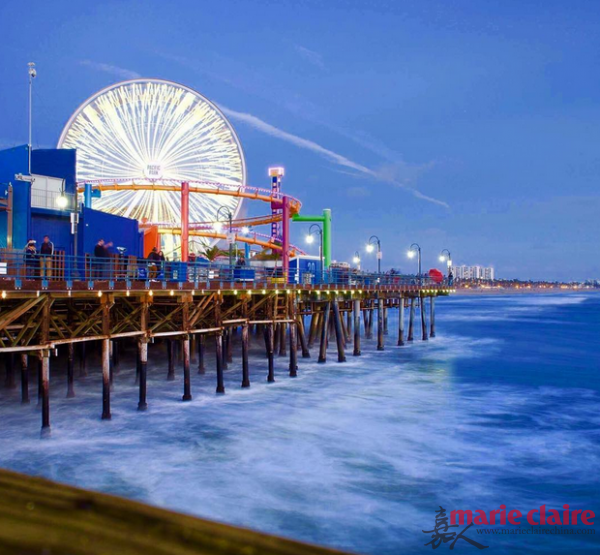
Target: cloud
<point>310,56</point>
<point>113,70</point>
<point>383,175</point>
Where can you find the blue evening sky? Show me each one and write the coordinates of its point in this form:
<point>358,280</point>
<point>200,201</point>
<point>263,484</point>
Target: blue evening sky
<point>467,125</point>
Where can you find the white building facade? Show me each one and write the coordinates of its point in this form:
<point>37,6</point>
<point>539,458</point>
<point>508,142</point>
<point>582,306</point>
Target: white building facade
<point>473,272</point>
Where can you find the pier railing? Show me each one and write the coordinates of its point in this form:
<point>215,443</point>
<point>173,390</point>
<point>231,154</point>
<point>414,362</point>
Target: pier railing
<point>21,267</point>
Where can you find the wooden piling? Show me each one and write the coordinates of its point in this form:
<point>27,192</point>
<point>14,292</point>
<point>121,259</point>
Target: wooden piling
<point>411,320</point>
<point>201,348</point>
<point>313,329</point>
<point>170,360</point>
<point>324,333</point>
<point>143,355</point>
<point>302,337</point>
<point>432,316</point>
<point>270,341</point>
<point>245,349</point>
<point>106,379</point>
<point>82,360</point>
<point>224,340</point>
<point>10,371</point>
<point>70,370</point>
<point>369,334</point>
<point>401,321</point>
<point>282,333</point>
<point>356,312</point>
<point>219,362</point>
<point>45,391</point>
<point>187,383</point>
<point>385,319</point>
<point>24,379</point>
<point>291,312</point>
<point>337,323</point>
<point>423,319</point>
<point>380,325</point>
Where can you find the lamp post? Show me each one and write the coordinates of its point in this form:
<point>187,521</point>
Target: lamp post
<point>416,249</point>
<point>356,260</point>
<point>32,74</point>
<point>312,230</point>
<point>445,256</point>
<point>227,214</point>
<point>374,241</point>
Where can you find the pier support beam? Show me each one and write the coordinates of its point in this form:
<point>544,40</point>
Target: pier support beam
<point>187,382</point>
<point>401,321</point>
<point>24,379</point>
<point>423,319</point>
<point>411,320</point>
<point>106,379</point>
<point>369,333</point>
<point>219,361</point>
<point>380,325</point>
<point>356,312</point>
<point>302,337</point>
<point>143,358</point>
<point>9,382</point>
<point>170,361</point>
<point>339,337</point>
<point>432,316</point>
<point>201,348</point>
<point>245,349</point>
<point>324,332</point>
<point>70,371</point>
<point>45,392</point>
<point>82,360</point>
<point>282,333</point>
<point>385,320</point>
<point>270,344</point>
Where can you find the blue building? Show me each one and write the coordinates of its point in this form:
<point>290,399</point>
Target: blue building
<point>46,202</point>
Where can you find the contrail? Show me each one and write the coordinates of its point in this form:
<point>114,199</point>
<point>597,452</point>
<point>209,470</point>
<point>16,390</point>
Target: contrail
<point>307,144</point>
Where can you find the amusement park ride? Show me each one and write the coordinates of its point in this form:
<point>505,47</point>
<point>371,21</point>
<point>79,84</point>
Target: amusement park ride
<point>161,153</point>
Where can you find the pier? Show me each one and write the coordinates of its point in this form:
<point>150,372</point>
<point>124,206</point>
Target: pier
<point>41,319</point>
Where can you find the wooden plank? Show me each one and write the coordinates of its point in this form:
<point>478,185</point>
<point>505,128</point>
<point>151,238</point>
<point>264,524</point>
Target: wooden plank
<point>40,516</point>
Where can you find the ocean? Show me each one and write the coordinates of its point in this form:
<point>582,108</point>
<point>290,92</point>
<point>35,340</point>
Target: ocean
<point>501,408</point>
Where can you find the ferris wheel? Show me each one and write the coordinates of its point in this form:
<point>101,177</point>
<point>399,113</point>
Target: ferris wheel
<point>153,131</point>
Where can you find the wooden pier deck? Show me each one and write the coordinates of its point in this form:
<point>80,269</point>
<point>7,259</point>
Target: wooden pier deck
<point>38,319</point>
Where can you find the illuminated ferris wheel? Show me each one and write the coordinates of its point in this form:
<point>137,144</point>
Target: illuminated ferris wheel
<point>154,131</point>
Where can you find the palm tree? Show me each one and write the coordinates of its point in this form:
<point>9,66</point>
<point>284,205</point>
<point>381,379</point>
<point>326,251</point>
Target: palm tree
<point>212,253</point>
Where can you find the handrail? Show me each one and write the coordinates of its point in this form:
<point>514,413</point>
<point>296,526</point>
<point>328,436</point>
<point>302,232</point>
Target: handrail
<point>41,516</point>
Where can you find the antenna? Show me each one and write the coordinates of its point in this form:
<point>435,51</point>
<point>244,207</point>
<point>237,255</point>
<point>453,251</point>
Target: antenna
<point>32,74</point>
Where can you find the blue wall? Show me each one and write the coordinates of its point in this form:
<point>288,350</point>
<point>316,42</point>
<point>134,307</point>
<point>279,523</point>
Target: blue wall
<point>58,228</point>
<point>12,161</point>
<point>94,225</point>
<point>56,162</point>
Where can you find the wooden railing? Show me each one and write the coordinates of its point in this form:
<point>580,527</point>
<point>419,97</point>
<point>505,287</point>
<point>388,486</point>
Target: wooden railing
<point>38,516</point>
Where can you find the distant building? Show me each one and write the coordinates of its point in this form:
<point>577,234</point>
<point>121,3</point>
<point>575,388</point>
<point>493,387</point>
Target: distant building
<point>473,272</point>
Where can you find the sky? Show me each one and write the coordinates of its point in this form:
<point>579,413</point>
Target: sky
<point>467,125</point>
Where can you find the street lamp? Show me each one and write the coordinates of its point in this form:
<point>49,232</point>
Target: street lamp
<point>374,241</point>
<point>356,260</point>
<point>416,249</point>
<point>445,256</point>
<point>310,238</point>
<point>218,226</point>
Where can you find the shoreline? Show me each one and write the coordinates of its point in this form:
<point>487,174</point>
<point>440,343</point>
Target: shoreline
<point>522,291</point>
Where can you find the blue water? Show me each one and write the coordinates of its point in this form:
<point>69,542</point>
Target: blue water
<point>503,407</point>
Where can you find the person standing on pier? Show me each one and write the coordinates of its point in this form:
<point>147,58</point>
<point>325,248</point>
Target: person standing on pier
<point>30,259</point>
<point>46,254</point>
<point>102,259</point>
